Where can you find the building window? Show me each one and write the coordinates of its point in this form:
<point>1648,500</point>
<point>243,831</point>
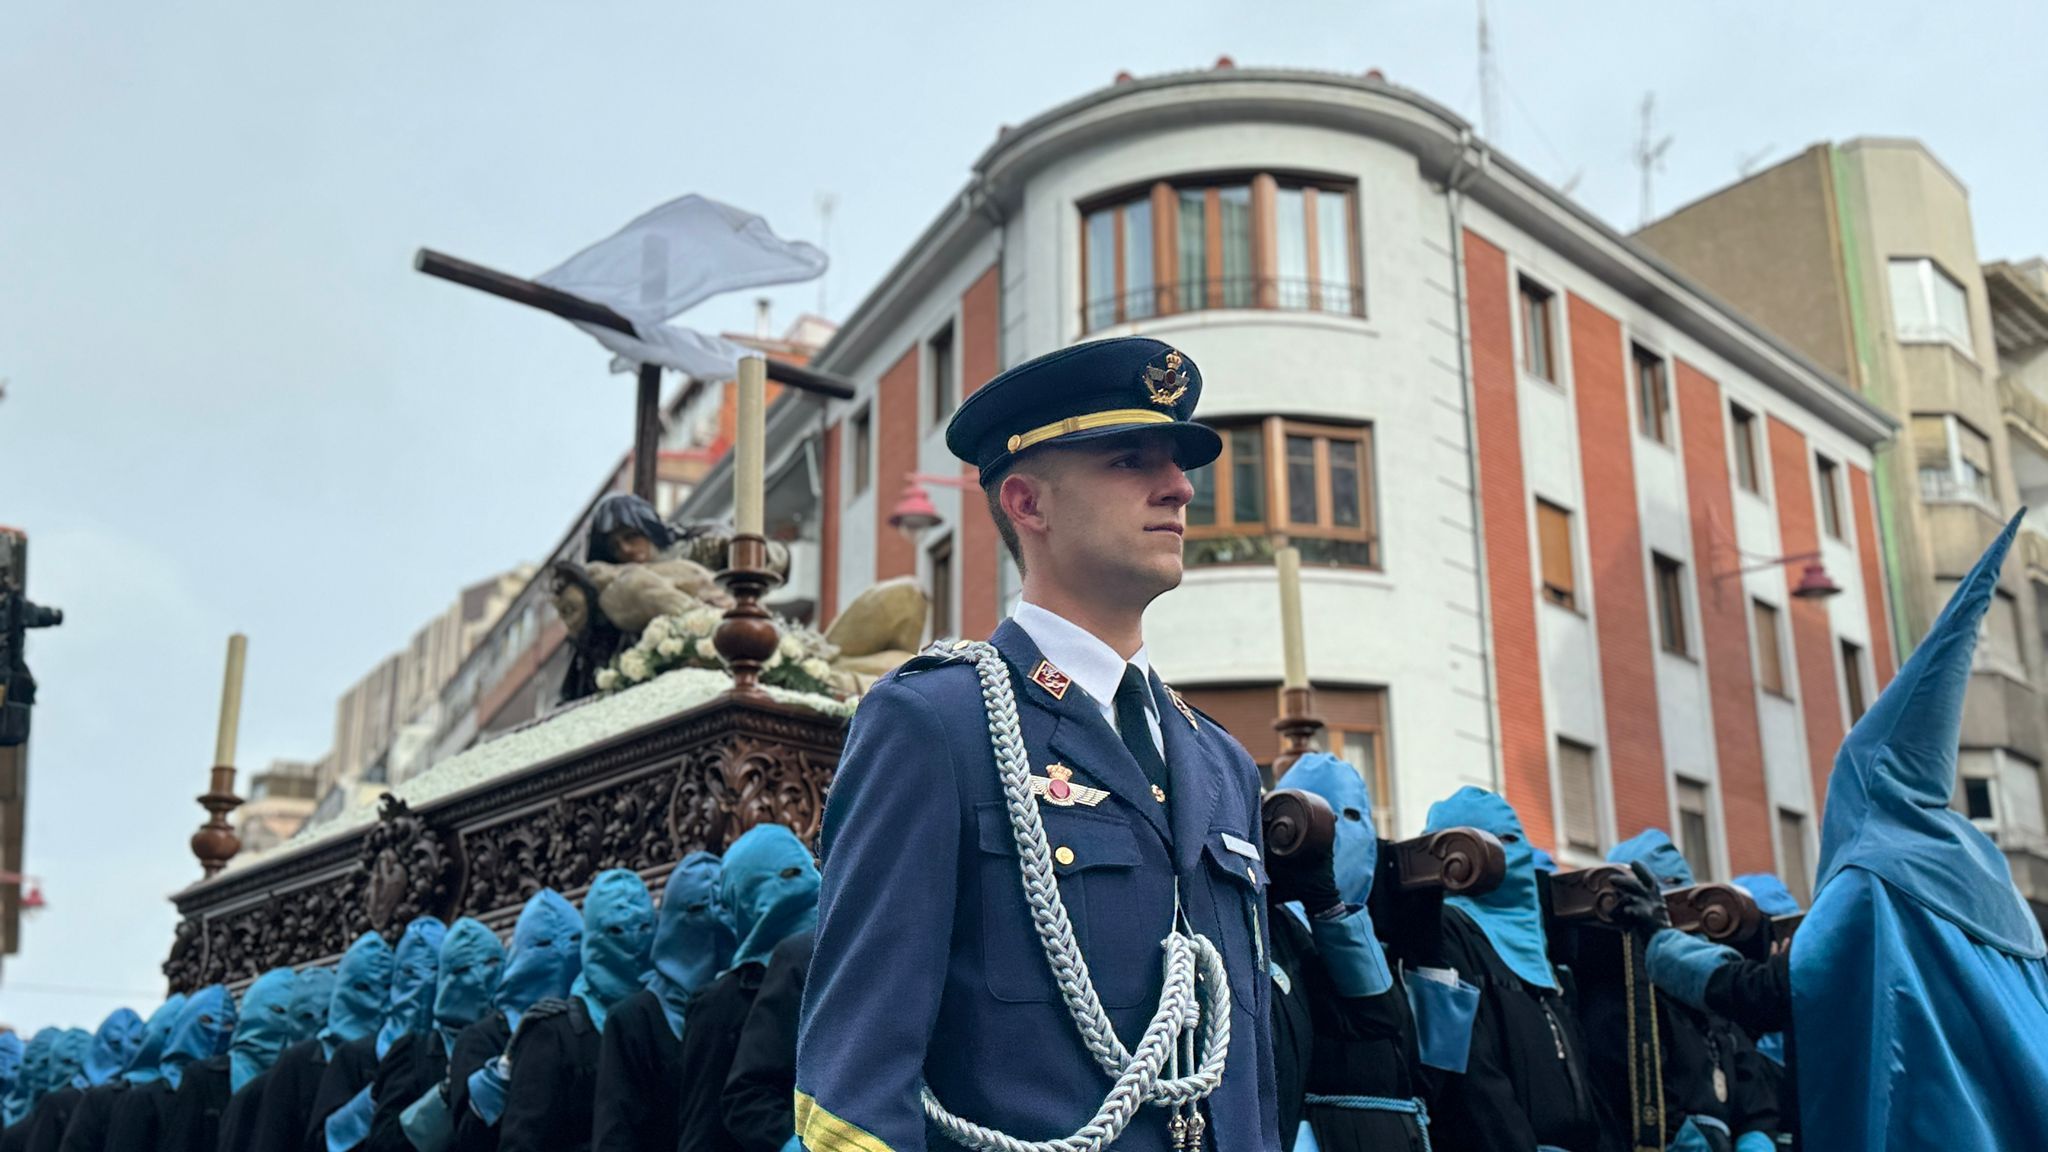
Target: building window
<point>1671,604</point>
<point>938,355</point>
<point>1355,731</point>
<point>1693,835</point>
<point>863,449</point>
<point>1852,679</point>
<point>1830,497</point>
<point>1976,797</point>
<point>1320,498</point>
<point>2041,612</point>
<point>1184,247</point>
<point>941,557</point>
<point>1792,855</point>
<point>1954,460</point>
<point>1770,662</point>
<point>1539,335</point>
<point>1653,396</point>
<point>1742,422</point>
<point>1554,538</point>
<point>1928,305</point>
<point>1579,783</point>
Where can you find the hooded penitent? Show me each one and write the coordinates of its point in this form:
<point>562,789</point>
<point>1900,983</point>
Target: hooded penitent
<point>10,1061</point>
<point>310,998</point>
<point>471,959</point>
<point>265,1027</point>
<point>768,890</point>
<point>1654,848</point>
<point>1919,991</point>
<point>692,941</point>
<point>119,1035</point>
<point>362,990</point>
<point>204,1026</point>
<point>67,1065</point>
<point>1771,896</point>
<point>33,1080</point>
<point>618,926</point>
<point>156,1032</point>
<point>545,958</point>
<point>1351,954</point>
<point>416,964</point>
<point>1511,916</point>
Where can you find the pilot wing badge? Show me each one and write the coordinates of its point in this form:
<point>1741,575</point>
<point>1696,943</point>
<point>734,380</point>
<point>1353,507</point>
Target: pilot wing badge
<point>1057,787</point>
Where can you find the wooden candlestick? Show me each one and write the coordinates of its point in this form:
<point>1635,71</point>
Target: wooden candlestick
<point>747,637</point>
<point>216,843</point>
<point>1297,726</point>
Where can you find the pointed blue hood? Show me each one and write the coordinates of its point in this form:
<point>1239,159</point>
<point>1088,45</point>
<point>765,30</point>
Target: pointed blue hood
<point>1653,847</point>
<point>1888,800</point>
<point>310,997</point>
<point>416,964</point>
<point>119,1035</point>
<point>73,1049</point>
<point>10,1060</point>
<point>203,1030</point>
<point>768,891</point>
<point>156,1032</point>
<point>618,927</point>
<point>1358,846</point>
<point>1771,896</point>
<point>265,1026</point>
<point>362,990</point>
<point>692,941</point>
<point>545,958</point>
<point>471,960</point>
<point>1511,916</point>
<point>33,1079</point>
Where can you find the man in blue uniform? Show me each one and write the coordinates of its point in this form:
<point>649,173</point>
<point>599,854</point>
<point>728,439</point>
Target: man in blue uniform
<point>932,1005</point>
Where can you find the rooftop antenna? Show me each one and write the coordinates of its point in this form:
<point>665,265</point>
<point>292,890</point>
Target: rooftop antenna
<point>1649,154</point>
<point>1747,163</point>
<point>1489,101</point>
<point>827,201</point>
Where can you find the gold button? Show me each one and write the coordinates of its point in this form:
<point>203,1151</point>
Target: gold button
<point>1063,854</point>
<point>1159,793</point>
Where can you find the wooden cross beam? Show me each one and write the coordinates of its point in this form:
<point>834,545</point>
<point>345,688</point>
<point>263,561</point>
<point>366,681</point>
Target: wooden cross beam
<point>647,408</point>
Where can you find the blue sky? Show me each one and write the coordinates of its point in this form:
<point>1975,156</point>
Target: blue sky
<point>232,405</point>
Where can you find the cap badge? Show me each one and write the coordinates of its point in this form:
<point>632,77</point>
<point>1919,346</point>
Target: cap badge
<point>1166,385</point>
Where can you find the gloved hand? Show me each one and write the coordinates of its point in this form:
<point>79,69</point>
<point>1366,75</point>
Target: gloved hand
<point>1309,875</point>
<point>1642,903</point>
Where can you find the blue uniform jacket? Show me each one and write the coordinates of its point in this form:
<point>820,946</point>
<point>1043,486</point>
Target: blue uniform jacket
<point>927,968</point>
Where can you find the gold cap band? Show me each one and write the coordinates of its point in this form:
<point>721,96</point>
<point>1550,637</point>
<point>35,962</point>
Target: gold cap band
<point>1086,423</point>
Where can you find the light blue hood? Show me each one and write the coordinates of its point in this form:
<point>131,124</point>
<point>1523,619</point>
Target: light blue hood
<point>310,998</point>
<point>203,1030</point>
<point>768,891</point>
<point>1654,848</point>
<point>1358,846</point>
<point>265,1028</point>
<point>1771,896</point>
<point>119,1035</point>
<point>471,960</point>
<point>34,1077</point>
<point>1511,916</point>
<point>73,1049</point>
<point>618,927</point>
<point>415,968</point>
<point>545,958</point>
<point>362,993</point>
<point>692,941</point>
<point>156,1032</point>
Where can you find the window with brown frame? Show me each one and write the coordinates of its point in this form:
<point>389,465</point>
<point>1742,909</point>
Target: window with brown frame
<point>1792,855</point>
<point>861,459</point>
<point>1830,496</point>
<point>941,557</point>
<point>1671,604</point>
<point>1770,660</point>
<point>938,353</point>
<point>1653,396</point>
<point>1852,679</point>
<point>1742,424</point>
<point>1694,829</point>
<point>1578,779</point>
<point>1554,541</point>
<point>1257,241</point>
<point>1355,731</point>
<point>1539,336</point>
<point>1309,482</point>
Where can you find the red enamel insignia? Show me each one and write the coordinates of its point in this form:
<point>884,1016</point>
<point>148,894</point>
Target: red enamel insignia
<point>1051,679</point>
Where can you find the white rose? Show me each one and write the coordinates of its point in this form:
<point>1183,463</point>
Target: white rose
<point>704,621</point>
<point>791,648</point>
<point>670,647</point>
<point>657,631</point>
<point>816,669</point>
<point>633,666</point>
<point>607,680</point>
<point>706,650</point>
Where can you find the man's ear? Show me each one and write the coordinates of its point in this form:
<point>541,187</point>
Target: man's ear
<point>1021,496</point>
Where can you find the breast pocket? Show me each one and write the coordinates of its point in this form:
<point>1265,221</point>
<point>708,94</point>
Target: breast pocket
<point>1096,862</point>
<point>1237,883</point>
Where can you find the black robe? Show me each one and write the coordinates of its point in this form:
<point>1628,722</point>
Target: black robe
<point>350,1071</point>
<point>284,1112</point>
<point>760,1092</point>
<point>87,1131</point>
<point>1757,996</point>
<point>138,1119</point>
<point>192,1118</point>
<point>634,1108</point>
<point>554,1080</point>
<point>51,1115</point>
<point>1525,1080</point>
<point>478,1044</point>
<point>1333,1045</point>
<point>15,1138</point>
<point>716,1014</point>
<point>238,1123</point>
<point>416,1062</point>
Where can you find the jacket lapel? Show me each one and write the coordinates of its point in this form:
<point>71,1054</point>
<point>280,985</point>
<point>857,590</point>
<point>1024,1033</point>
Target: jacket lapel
<point>1079,736</point>
<point>1196,781</point>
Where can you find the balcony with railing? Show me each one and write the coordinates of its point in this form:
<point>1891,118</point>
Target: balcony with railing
<point>1241,292</point>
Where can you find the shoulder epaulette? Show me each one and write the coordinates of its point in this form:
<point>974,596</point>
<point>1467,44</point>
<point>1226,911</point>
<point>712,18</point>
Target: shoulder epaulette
<point>936,655</point>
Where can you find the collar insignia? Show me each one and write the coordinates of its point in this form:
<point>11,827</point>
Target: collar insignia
<point>1051,679</point>
<point>1166,385</point>
<point>1185,711</point>
<point>1057,787</point>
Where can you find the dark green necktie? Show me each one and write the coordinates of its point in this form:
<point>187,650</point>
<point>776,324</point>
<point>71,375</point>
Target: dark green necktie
<point>1132,726</point>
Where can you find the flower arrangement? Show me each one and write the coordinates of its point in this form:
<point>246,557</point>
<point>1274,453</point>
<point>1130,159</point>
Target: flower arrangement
<point>802,661</point>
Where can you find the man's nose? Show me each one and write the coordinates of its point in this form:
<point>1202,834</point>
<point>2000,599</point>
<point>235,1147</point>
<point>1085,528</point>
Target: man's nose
<point>1178,491</point>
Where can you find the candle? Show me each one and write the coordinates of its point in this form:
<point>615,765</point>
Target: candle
<point>1288,561</point>
<point>750,454</point>
<point>231,701</point>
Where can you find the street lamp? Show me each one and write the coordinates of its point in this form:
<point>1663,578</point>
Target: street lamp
<point>1814,581</point>
<point>914,513</point>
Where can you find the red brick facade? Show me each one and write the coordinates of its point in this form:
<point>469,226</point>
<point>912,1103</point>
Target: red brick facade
<point>895,457</point>
<point>1873,577</point>
<point>1813,641</point>
<point>1616,559</point>
<point>1504,506</point>
<point>1724,623</point>
<point>981,322</point>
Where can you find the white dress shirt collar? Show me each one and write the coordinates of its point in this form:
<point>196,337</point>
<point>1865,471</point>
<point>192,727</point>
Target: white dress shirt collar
<point>1083,656</point>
